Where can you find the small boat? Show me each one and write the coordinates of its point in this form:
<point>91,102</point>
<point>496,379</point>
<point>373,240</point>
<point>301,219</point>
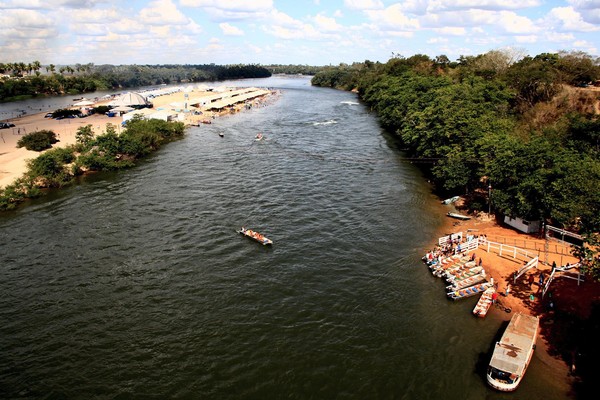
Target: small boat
<point>513,353</point>
<point>221,134</point>
<point>470,291</point>
<point>259,136</point>
<point>458,216</point>
<point>450,200</point>
<point>463,283</point>
<point>462,273</point>
<point>256,236</point>
<point>441,270</point>
<point>484,303</point>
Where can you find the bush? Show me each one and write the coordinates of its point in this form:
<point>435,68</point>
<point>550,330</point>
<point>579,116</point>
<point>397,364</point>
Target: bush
<point>100,110</point>
<point>38,141</point>
<point>66,113</point>
<point>50,167</point>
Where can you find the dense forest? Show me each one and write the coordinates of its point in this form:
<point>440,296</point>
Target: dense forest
<point>524,129</point>
<point>29,80</point>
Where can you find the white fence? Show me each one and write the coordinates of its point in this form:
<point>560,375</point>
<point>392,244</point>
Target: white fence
<point>564,272</point>
<point>533,263</point>
<point>509,251</point>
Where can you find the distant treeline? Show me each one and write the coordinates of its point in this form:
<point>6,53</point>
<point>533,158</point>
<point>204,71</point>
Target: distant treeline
<point>291,69</point>
<point>26,80</point>
<point>525,129</point>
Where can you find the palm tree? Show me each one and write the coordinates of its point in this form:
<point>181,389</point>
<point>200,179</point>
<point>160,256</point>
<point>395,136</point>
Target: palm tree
<point>36,65</point>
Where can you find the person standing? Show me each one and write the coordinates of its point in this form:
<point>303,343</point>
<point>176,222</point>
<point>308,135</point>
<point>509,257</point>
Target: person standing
<point>507,290</point>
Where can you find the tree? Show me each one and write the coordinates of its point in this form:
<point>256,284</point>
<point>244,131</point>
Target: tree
<point>84,135</point>
<point>38,141</point>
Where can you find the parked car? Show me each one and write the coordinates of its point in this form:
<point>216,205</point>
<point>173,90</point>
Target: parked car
<point>6,125</point>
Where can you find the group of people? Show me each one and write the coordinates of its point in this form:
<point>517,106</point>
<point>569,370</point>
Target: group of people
<point>254,235</point>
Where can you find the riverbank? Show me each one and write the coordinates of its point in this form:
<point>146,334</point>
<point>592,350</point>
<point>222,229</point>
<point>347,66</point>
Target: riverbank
<point>567,297</point>
<point>13,160</point>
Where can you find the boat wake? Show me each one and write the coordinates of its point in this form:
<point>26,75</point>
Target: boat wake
<point>350,103</point>
<point>330,122</point>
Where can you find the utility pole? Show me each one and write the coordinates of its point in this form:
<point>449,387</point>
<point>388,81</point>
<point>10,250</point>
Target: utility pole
<point>490,198</point>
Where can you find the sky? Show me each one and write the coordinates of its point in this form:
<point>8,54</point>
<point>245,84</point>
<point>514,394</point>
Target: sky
<point>307,32</point>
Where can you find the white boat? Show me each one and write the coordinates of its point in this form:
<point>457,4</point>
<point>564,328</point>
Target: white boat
<point>466,282</point>
<point>450,200</point>
<point>484,303</point>
<point>462,273</point>
<point>513,353</point>
<point>458,216</point>
<point>256,236</point>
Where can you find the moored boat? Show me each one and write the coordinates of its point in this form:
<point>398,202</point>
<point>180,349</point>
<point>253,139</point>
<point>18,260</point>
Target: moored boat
<point>466,282</point>
<point>462,274</point>
<point>256,236</point>
<point>470,291</point>
<point>484,303</point>
<point>450,200</point>
<point>458,216</point>
<point>513,353</point>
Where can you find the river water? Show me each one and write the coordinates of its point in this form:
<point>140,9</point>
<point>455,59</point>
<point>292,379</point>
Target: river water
<point>136,284</point>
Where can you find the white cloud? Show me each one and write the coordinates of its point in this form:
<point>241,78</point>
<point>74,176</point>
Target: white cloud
<point>559,37</point>
<point>363,4</point>
<point>99,16</point>
<point>326,24</point>
<point>338,14</point>
<point>127,26</point>
<point>25,19</point>
<point>588,9</point>
<point>526,39</point>
<point>437,40</point>
<point>494,5</point>
<point>163,12</point>
<point>585,4</point>
<point>392,19</point>
<point>513,23</point>
<point>567,19</point>
<point>232,9</point>
<point>230,30</point>
<point>451,31</point>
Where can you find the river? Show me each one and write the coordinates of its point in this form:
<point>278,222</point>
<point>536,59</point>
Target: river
<point>136,284</point>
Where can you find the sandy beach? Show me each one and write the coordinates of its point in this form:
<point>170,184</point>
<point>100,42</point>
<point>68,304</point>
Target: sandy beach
<point>13,161</point>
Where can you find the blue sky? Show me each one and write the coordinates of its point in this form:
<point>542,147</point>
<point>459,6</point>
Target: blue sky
<point>313,32</point>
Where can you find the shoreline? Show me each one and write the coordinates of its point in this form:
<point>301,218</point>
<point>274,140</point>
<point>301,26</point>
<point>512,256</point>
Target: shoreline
<point>13,160</point>
<point>565,292</point>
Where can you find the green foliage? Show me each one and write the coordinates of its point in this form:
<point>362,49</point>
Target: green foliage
<point>84,135</point>
<point>100,110</point>
<point>49,169</point>
<point>12,195</point>
<point>66,113</point>
<point>472,122</point>
<point>38,141</point>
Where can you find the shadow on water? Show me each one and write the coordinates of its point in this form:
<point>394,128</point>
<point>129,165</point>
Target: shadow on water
<point>483,359</point>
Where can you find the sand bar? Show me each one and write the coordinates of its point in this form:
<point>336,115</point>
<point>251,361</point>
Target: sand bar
<point>13,161</point>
